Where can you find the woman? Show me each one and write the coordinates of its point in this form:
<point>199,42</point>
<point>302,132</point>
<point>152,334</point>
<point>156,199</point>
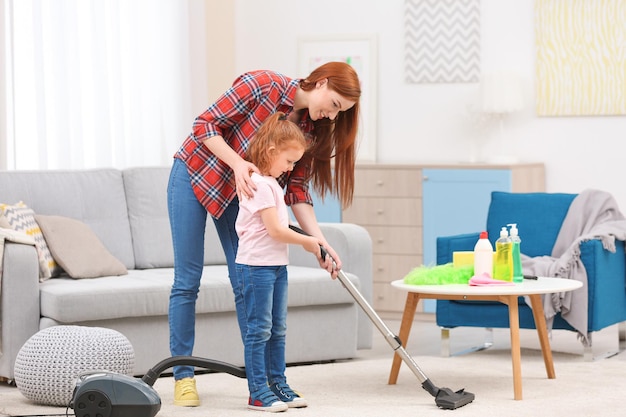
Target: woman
<point>209,174</point>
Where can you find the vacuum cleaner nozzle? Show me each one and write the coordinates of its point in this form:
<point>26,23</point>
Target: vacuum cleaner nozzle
<point>446,398</point>
<point>450,400</point>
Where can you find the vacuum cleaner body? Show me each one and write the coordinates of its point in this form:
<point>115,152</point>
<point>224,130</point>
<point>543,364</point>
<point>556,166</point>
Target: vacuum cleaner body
<point>108,394</point>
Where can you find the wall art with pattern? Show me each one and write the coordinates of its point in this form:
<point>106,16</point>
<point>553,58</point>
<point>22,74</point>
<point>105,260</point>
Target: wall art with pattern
<point>581,57</point>
<point>360,51</point>
<point>442,41</point>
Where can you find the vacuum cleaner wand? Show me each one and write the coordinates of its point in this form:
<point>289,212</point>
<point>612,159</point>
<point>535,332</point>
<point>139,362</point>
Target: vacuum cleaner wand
<point>444,397</point>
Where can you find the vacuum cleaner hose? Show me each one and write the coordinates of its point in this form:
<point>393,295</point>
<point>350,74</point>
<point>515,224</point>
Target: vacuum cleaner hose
<point>153,374</point>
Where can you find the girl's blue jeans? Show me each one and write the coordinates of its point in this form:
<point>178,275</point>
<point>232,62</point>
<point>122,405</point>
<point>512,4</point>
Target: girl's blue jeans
<point>188,221</point>
<point>265,299</point>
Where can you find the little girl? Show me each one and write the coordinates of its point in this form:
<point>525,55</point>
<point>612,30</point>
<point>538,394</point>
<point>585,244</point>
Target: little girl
<point>262,257</point>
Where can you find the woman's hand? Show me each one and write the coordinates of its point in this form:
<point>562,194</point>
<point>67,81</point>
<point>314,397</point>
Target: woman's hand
<point>327,264</point>
<point>241,168</point>
<point>244,185</point>
<point>306,219</point>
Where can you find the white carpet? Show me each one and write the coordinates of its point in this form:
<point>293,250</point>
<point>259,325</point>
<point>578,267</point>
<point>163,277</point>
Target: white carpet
<point>359,388</point>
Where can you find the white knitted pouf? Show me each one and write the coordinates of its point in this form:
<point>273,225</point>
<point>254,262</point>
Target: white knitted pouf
<point>47,366</point>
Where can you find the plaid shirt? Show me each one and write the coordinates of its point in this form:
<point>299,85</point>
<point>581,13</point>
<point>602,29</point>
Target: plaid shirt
<point>236,116</point>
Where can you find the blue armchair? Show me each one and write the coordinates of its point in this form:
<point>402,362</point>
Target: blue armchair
<point>539,217</point>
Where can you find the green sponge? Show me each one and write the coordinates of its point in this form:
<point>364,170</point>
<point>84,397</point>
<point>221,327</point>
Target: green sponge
<point>440,274</point>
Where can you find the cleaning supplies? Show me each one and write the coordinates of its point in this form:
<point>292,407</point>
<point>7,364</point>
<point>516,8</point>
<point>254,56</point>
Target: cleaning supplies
<point>483,256</point>
<point>516,254</point>
<point>483,281</point>
<point>503,267</point>
<point>439,275</point>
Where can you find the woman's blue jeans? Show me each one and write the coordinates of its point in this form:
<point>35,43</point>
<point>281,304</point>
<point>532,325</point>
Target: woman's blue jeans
<point>188,221</point>
<point>265,301</point>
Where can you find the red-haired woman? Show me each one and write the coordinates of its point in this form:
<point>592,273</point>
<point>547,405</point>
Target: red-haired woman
<point>210,174</point>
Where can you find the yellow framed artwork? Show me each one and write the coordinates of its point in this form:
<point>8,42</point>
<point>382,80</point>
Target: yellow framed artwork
<point>581,57</point>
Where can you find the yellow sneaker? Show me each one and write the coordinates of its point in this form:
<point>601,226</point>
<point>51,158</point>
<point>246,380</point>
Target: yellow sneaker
<point>185,393</point>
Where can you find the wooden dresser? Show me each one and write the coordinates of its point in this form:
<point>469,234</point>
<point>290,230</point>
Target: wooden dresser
<point>405,207</point>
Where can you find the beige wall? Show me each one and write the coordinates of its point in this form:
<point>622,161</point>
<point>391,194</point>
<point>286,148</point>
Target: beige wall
<point>220,35</point>
<point>429,123</point>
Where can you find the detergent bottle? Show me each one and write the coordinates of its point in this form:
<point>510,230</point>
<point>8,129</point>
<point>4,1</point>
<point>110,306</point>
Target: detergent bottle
<point>483,256</point>
<point>516,254</point>
<point>503,267</point>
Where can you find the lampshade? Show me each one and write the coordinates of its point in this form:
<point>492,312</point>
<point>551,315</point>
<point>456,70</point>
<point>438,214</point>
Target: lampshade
<point>501,92</point>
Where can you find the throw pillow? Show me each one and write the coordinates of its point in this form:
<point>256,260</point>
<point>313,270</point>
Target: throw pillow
<point>4,223</point>
<point>77,249</point>
<point>21,218</point>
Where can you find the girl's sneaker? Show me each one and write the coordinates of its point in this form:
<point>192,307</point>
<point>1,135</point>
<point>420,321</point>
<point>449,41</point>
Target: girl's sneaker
<point>287,395</point>
<point>266,400</point>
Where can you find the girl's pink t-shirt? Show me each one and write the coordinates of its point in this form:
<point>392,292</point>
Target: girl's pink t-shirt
<point>256,247</point>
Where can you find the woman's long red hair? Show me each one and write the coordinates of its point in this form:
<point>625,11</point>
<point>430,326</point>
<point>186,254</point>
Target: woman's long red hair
<point>335,138</point>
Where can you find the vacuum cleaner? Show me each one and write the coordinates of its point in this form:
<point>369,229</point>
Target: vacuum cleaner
<point>109,394</point>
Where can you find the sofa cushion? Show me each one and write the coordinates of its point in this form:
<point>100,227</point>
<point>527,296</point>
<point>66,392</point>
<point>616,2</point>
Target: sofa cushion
<point>144,293</point>
<point>77,249</point>
<point>538,216</point>
<point>81,195</point>
<point>21,218</point>
<point>146,194</point>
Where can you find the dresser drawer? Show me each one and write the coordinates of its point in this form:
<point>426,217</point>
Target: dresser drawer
<point>388,298</point>
<point>387,268</point>
<point>388,183</point>
<point>395,240</point>
<point>384,211</point>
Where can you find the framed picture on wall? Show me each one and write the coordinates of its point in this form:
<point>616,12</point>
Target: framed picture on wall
<point>361,53</point>
<point>580,58</point>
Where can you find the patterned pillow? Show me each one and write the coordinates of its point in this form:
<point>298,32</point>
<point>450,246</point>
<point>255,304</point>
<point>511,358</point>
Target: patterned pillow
<point>21,218</point>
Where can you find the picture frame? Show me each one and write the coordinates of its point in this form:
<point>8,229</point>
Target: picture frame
<point>576,76</point>
<point>360,51</point>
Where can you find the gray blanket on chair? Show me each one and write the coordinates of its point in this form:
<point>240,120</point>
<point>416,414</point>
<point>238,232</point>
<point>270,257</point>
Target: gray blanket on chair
<point>593,214</point>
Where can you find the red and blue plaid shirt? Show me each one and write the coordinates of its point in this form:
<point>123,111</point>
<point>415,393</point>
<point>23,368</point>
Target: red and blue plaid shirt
<point>236,116</point>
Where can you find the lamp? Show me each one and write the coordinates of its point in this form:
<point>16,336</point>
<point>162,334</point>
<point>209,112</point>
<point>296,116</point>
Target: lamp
<point>501,95</point>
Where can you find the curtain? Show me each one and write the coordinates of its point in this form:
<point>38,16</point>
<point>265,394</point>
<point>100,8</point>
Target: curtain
<point>96,83</point>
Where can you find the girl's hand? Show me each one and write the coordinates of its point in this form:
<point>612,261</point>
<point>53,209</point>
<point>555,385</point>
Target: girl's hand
<point>313,245</point>
<point>328,263</point>
<point>243,184</point>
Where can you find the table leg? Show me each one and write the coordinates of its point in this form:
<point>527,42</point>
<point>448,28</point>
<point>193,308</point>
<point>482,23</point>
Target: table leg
<point>405,328</point>
<point>542,331</point>
<point>516,354</point>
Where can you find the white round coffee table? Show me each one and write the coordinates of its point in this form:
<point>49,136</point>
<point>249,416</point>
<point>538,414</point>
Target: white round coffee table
<point>503,293</point>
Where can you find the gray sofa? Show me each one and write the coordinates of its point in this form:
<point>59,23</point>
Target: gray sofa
<point>127,210</point>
